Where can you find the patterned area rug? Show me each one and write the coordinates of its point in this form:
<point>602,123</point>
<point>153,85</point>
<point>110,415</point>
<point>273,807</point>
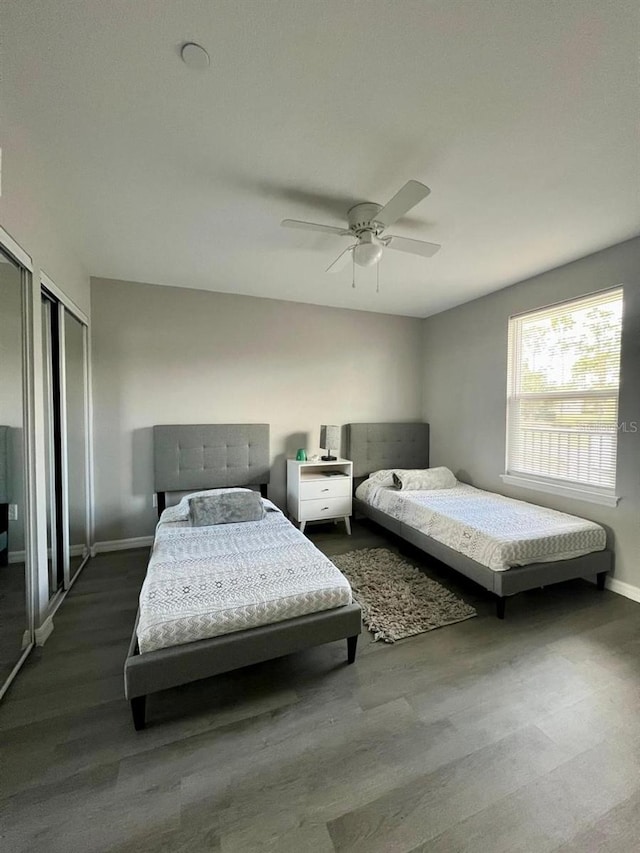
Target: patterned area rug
<point>397,599</point>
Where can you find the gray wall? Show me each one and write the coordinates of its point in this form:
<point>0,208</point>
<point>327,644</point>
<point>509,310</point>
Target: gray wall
<point>28,213</point>
<point>171,355</point>
<point>465,376</point>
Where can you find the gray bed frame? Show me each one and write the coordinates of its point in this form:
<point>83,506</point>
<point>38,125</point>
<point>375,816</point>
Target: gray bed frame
<point>206,456</point>
<point>374,447</point>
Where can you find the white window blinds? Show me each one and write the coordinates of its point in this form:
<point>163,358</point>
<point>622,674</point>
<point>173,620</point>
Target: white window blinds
<point>562,399</point>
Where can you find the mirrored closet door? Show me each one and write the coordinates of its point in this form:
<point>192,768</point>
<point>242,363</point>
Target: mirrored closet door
<point>75,360</point>
<point>65,387</point>
<point>15,592</point>
<point>52,446</point>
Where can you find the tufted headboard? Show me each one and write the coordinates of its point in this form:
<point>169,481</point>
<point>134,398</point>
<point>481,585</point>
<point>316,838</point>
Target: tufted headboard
<point>188,457</point>
<point>373,447</point>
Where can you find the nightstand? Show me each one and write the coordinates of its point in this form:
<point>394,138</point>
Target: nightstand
<point>319,491</point>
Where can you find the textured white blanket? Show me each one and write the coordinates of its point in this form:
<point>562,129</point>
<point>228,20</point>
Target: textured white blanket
<point>207,581</point>
<point>493,530</point>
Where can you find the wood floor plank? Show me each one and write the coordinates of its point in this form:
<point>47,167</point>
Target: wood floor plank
<point>322,771</point>
<point>547,812</point>
<point>465,738</point>
<point>617,831</point>
<point>428,806</point>
<point>99,822</point>
<point>265,837</point>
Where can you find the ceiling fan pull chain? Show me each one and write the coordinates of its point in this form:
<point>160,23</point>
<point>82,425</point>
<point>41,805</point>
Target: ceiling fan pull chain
<point>378,277</point>
<point>353,264</point>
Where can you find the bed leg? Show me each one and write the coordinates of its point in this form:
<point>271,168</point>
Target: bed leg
<point>138,707</point>
<point>600,579</point>
<point>352,644</point>
<point>501,602</point>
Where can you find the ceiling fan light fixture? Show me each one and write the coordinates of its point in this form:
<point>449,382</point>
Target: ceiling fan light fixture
<point>367,222</point>
<point>368,251</point>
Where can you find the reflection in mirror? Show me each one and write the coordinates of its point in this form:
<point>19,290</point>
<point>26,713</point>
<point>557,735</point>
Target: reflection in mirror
<point>14,621</point>
<point>51,428</point>
<point>74,357</point>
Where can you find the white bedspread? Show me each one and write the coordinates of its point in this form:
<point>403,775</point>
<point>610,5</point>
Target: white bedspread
<point>493,530</point>
<point>207,581</point>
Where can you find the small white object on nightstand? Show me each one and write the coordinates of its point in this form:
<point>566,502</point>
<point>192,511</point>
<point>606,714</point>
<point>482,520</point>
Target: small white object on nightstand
<point>314,493</point>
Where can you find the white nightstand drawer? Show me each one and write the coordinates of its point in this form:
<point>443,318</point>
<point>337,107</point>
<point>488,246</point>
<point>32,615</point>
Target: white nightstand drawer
<point>327,487</point>
<point>325,508</point>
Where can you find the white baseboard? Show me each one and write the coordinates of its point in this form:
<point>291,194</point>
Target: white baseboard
<point>121,544</point>
<point>45,630</point>
<point>623,588</point>
<point>16,557</point>
<point>19,556</point>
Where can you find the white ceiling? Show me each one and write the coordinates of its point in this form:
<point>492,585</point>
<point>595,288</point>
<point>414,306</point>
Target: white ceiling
<point>521,115</point>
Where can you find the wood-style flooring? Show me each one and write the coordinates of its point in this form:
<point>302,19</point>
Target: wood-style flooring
<point>522,735</point>
<point>13,616</point>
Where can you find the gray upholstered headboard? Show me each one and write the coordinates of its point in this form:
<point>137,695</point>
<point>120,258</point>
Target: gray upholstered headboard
<point>373,447</point>
<point>188,457</point>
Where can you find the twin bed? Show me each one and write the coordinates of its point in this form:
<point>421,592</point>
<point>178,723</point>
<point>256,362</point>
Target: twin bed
<point>223,596</point>
<point>506,546</point>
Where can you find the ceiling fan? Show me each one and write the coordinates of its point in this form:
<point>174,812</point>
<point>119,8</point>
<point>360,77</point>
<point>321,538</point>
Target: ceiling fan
<point>367,222</point>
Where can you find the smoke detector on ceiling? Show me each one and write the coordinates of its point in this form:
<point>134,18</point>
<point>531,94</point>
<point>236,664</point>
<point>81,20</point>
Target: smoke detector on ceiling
<point>194,56</point>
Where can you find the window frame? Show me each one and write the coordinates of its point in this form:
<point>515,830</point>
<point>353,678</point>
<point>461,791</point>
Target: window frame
<point>553,485</point>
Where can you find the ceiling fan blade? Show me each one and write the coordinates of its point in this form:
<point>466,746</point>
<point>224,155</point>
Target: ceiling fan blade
<point>406,198</point>
<point>414,247</point>
<point>342,259</point>
<point>314,226</point>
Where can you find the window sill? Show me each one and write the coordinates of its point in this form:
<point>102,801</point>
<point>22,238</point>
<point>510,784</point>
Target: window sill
<point>564,490</point>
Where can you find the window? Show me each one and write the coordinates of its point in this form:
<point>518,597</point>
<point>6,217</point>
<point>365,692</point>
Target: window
<point>562,397</point>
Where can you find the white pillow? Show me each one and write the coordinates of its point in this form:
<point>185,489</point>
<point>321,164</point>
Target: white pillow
<point>383,478</point>
<point>420,479</point>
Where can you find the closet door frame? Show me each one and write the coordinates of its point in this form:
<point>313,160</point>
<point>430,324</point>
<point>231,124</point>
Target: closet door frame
<point>66,305</point>
<point>25,264</point>
<point>50,377</point>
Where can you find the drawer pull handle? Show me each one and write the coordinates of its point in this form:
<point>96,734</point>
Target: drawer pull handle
<point>325,490</point>
<point>323,508</point>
